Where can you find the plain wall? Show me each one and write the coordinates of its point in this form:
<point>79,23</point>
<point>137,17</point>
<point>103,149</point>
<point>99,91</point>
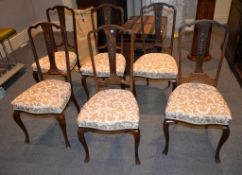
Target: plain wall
<point>17,14</point>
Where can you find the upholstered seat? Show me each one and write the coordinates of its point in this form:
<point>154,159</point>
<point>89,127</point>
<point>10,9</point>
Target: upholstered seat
<point>47,96</point>
<point>102,65</point>
<point>112,109</point>
<point>198,103</point>
<point>60,60</point>
<point>156,66</point>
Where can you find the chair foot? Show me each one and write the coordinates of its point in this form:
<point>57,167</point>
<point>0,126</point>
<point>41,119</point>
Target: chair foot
<point>62,122</point>
<point>35,76</point>
<point>84,84</point>
<point>17,119</point>
<point>81,132</point>
<point>136,134</point>
<point>224,137</point>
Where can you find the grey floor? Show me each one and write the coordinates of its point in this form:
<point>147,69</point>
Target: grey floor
<point>191,150</point>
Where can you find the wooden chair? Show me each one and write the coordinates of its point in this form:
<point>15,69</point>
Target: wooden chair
<point>106,13</point>
<point>157,61</point>
<point>61,12</point>
<point>111,110</point>
<point>49,96</point>
<point>197,101</point>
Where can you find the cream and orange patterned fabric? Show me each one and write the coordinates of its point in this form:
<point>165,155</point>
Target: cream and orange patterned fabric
<point>102,65</point>
<point>60,60</point>
<point>112,109</point>
<point>47,96</point>
<point>156,66</point>
<point>198,103</point>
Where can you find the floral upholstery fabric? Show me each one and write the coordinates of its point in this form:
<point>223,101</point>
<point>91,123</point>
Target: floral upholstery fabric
<point>156,66</point>
<point>109,110</point>
<point>198,103</point>
<point>102,65</point>
<point>47,96</point>
<point>60,60</point>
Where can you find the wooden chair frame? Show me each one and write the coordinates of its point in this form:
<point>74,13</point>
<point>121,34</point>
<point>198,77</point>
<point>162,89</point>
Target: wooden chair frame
<point>106,10</point>
<point>203,28</point>
<point>157,8</point>
<point>51,49</point>
<point>114,79</point>
<point>61,10</point>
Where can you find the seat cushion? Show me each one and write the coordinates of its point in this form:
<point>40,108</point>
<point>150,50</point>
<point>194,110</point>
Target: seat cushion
<point>102,65</point>
<point>109,110</point>
<point>60,62</point>
<point>156,66</point>
<point>47,96</point>
<point>198,103</point>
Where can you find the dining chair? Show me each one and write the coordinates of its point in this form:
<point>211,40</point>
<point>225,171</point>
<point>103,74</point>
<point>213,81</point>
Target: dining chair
<point>60,14</point>
<point>48,97</point>
<point>196,101</point>
<point>158,27</point>
<point>111,110</point>
<point>106,14</point>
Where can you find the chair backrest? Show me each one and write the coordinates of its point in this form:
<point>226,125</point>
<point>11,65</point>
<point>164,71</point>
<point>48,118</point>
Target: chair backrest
<point>47,41</point>
<point>63,13</point>
<point>114,38</point>
<point>201,47</point>
<point>109,13</point>
<point>106,14</point>
<point>158,26</point>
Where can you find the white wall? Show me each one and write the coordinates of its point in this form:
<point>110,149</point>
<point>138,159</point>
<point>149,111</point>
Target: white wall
<point>221,12</point>
<point>40,7</point>
<point>17,14</point>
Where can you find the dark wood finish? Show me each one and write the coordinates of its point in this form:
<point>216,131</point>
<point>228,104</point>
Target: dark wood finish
<point>60,11</point>
<point>160,26</point>
<point>224,136</point>
<point>205,10</point>
<point>114,36</point>
<point>203,27</point>
<point>234,48</point>
<point>153,30</point>
<point>47,29</point>
<point>134,24</point>
<point>104,11</point>
<point>82,4</point>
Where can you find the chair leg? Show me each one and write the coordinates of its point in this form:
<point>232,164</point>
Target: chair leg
<point>17,119</point>
<point>84,84</point>
<point>35,76</point>
<point>166,132</point>
<point>147,82</point>
<point>81,132</point>
<point>224,137</point>
<point>62,122</point>
<point>73,99</point>
<point>134,88</point>
<point>174,84</point>
<point>136,134</point>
